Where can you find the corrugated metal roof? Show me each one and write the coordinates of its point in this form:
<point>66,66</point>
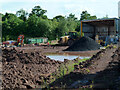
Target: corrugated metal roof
<point>104,19</point>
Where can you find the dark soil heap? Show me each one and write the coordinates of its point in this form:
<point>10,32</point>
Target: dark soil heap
<point>26,70</point>
<point>84,44</point>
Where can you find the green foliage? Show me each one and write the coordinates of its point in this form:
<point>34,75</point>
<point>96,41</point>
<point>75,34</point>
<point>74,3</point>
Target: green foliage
<point>72,22</point>
<point>86,16</point>
<point>22,14</point>
<point>62,28</point>
<point>37,24</point>
<point>38,11</point>
<point>59,18</point>
<point>67,68</point>
<point>9,26</point>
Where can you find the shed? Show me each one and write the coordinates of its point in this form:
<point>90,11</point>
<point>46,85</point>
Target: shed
<point>101,27</point>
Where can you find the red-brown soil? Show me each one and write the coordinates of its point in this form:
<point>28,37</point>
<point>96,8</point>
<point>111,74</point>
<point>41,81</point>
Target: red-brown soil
<point>101,71</point>
<point>28,67</point>
<point>26,70</point>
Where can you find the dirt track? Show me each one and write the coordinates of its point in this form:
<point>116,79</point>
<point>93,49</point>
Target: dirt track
<point>101,71</point>
<point>102,62</point>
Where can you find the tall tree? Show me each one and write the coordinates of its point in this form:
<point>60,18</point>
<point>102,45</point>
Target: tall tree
<point>38,27</point>
<point>10,23</point>
<point>62,28</point>
<point>86,16</point>
<point>22,14</point>
<point>38,11</point>
<point>72,22</point>
<point>59,18</point>
<point>72,16</point>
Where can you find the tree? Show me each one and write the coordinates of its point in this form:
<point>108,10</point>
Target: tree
<point>22,14</point>
<point>54,26</point>
<point>59,18</point>
<point>32,25</point>
<point>71,22</point>
<point>37,24</point>
<point>86,16</point>
<point>10,23</point>
<point>38,11</point>
<point>72,16</point>
<point>38,27</point>
<point>62,28</point>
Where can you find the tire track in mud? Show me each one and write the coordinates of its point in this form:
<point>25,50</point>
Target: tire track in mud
<point>100,64</point>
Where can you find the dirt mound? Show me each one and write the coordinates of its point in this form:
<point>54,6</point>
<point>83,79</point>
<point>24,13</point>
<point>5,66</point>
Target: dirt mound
<point>26,70</point>
<point>84,44</point>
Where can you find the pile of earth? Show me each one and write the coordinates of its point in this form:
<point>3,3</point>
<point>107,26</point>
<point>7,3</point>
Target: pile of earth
<point>84,44</point>
<point>26,70</point>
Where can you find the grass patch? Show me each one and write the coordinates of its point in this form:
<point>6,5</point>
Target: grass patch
<point>66,68</point>
<point>81,60</point>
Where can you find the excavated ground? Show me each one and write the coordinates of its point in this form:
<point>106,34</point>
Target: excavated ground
<point>27,67</point>
<point>101,71</point>
<point>26,70</point>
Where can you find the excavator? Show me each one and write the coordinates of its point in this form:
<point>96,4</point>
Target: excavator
<point>20,40</point>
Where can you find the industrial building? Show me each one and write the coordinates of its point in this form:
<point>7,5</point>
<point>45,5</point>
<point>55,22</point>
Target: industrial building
<point>101,27</point>
<point>119,9</point>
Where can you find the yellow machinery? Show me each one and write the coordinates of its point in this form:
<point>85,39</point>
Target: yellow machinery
<point>68,39</point>
<point>71,37</point>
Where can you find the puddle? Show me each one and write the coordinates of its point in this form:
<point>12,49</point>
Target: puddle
<point>62,57</point>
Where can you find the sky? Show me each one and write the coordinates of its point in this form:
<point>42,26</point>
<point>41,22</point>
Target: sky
<point>100,8</point>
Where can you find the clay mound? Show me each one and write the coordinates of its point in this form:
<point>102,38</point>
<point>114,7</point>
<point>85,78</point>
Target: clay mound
<point>25,70</point>
<point>84,44</point>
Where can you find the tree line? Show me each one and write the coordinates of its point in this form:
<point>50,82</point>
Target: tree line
<point>37,24</point>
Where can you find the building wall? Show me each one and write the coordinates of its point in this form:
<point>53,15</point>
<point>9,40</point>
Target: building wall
<point>101,31</point>
<point>119,27</point>
<point>88,30</point>
<point>112,30</point>
<point>119,9</point>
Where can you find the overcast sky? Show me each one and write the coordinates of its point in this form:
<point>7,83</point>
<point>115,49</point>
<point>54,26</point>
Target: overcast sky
<point>100,8</point>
